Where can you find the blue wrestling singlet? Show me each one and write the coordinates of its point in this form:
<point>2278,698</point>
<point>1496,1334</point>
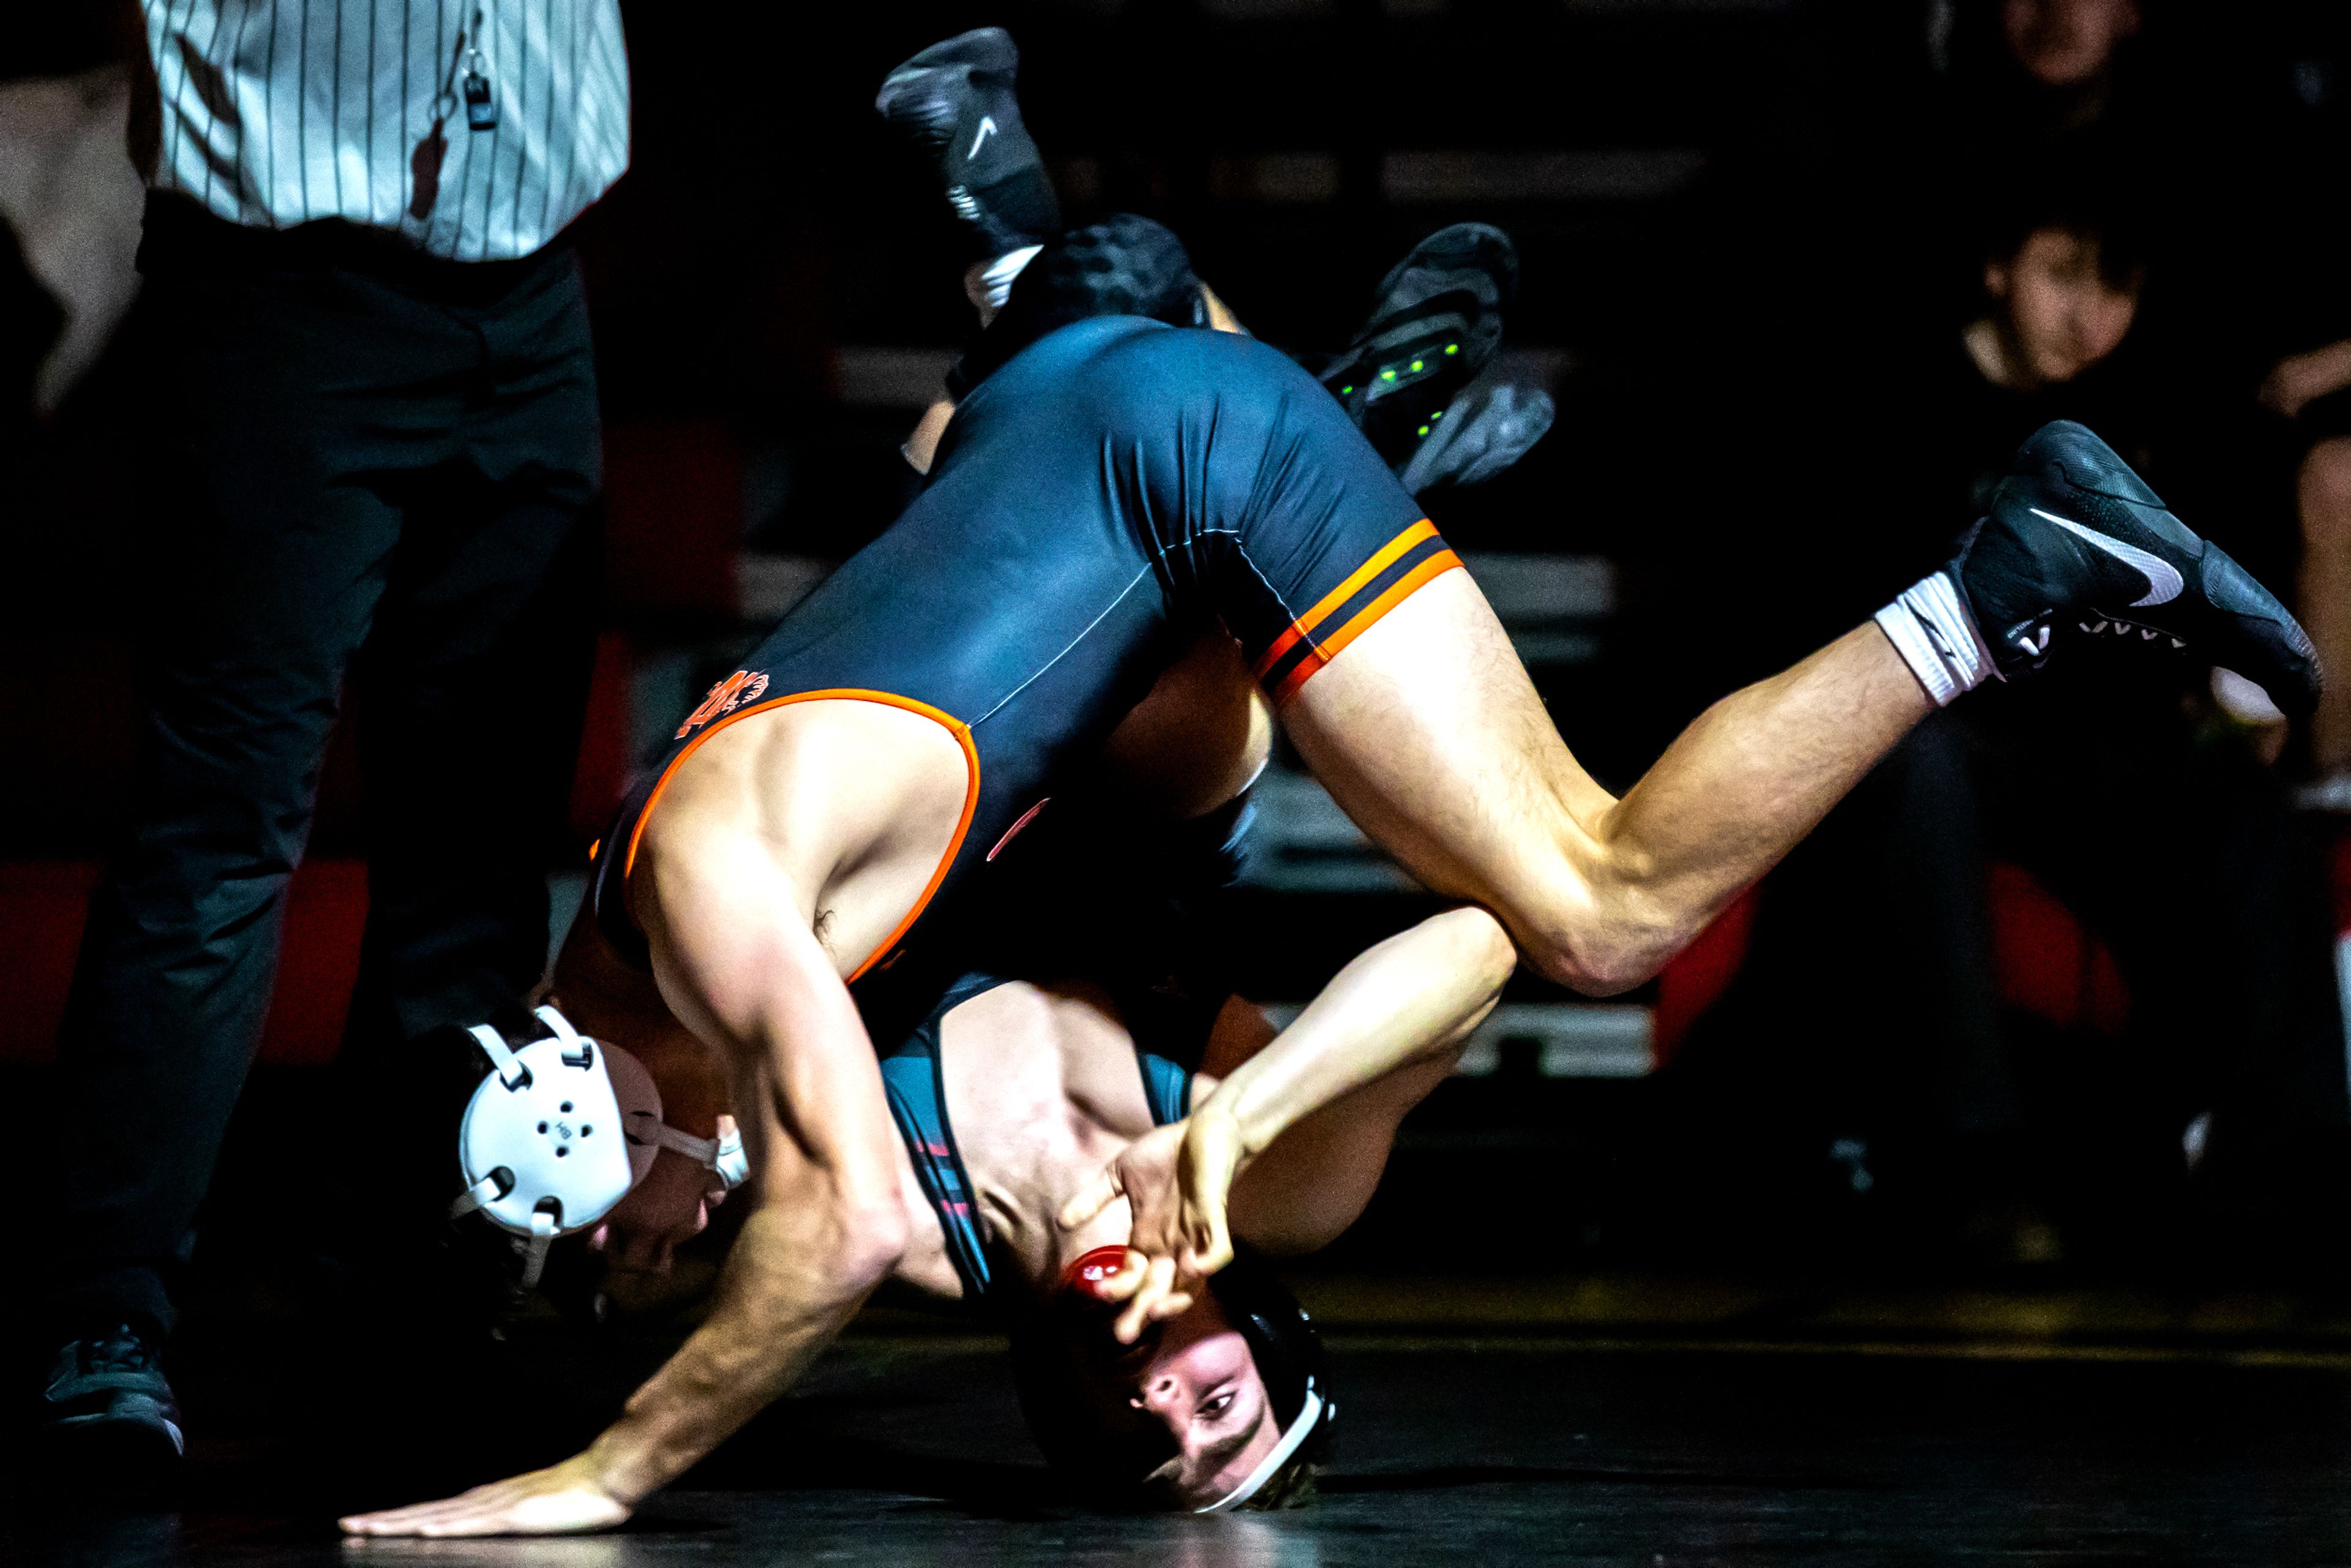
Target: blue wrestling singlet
<point>1112,490</point>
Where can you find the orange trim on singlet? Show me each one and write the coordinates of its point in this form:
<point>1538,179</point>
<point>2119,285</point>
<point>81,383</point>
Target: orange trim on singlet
<point>953,726</point>
<point>1361,622</point>
<point>1379,561</point>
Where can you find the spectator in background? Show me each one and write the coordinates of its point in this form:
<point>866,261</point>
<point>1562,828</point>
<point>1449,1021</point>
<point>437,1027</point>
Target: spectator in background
<point>2067,45</point>
<point>2234,120</point>
<point>1870,1000</point>
<point>73,201</point>
<point>373,453</point>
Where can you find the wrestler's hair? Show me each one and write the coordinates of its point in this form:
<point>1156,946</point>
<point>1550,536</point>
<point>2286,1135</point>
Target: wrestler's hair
<point>2084,192</point>
<point>1123,265</point>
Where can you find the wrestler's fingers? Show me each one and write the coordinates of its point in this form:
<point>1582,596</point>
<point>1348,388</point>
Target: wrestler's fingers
<point>1207,1253</point>
<point>1159,1278</point>
<point>1093,1198</point>
<point>546,1503</point>
<point>402,1521</point>
<point>1128,1280</point>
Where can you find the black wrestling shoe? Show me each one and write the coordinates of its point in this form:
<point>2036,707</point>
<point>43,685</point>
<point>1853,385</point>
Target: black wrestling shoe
<point>2073,535</point>
<point>1488,428</point>
<point>108,1411</point>
<point>954,101</point>
<point>1436,322</point>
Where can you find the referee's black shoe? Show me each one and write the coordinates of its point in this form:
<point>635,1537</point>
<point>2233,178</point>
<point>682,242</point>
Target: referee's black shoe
<point>106,1415</point>
<point>955,101</point>
<point>2074,535</point>
<point>1436,323</point>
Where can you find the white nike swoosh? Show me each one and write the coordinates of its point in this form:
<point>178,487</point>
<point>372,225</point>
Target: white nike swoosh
<point>2163,580</point>
<point>987,129</point>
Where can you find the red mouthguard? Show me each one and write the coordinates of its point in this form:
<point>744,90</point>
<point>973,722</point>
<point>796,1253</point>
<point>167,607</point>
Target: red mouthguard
<point>1087,1275</point>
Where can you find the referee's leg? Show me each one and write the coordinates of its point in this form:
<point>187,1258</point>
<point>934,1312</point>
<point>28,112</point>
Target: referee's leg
<point>262,556</point>
<point>471,690</point>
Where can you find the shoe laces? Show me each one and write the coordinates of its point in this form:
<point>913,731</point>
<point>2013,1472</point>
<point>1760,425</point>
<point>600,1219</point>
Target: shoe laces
<point>118,1349</point>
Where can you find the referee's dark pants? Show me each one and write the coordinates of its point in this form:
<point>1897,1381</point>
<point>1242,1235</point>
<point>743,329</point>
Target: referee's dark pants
<point>368,465</point>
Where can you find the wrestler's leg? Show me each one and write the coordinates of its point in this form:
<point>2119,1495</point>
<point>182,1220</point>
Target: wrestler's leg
<point>1428,732</point>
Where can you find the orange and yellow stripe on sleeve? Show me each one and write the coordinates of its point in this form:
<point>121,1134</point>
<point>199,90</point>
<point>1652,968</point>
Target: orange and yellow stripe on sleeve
<point>1394,570</point>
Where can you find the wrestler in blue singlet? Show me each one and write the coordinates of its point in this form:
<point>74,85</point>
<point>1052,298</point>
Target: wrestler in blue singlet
<point>1110,492</point>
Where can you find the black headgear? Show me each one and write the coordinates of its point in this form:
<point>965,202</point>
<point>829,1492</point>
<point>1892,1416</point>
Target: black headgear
<point>1123,265</point>
<point>1069,1426</point>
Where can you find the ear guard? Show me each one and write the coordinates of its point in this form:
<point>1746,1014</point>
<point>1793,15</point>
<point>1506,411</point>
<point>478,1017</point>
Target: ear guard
<point>1289,1354</point>
<point>559,1131</point>
<point>1053,1365</point>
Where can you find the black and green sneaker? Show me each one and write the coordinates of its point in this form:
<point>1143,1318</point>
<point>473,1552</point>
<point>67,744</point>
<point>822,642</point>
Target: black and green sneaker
<point>1435,324</point>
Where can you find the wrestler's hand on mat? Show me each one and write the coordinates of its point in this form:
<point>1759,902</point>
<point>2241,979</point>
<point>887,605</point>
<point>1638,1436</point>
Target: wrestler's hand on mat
<point>564,1500</point>
<point>1176,1180</point>
<point>671,1207</point>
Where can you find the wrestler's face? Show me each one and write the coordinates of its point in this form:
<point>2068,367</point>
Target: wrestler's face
<point>2063,314</point>
<point>1201,1384</point>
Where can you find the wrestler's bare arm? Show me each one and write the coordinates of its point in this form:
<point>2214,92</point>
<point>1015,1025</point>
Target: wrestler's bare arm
<point>1314,1111</point>
<point>1406,1001</point>
<point>733,884</point>
<point>829,1226</point>
<point>1428,732</point>
<point>827,1229</point>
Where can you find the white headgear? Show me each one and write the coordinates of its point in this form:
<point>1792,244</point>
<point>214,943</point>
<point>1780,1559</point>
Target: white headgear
<point>560,1132</point>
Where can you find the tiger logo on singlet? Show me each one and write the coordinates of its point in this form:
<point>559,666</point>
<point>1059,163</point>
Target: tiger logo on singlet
<point>729,694</point>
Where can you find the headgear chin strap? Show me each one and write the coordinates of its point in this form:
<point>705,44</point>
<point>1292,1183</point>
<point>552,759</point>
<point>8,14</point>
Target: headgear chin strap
<point>559,1131</point>
<point>1310,1417</point>
<point>1288,1351</point>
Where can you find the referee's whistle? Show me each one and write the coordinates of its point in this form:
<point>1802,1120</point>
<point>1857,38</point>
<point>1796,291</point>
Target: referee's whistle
<point>481,114</point>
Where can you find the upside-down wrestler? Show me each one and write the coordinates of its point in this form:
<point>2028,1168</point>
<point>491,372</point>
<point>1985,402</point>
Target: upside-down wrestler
<point>1113,497</point>
<point>1028,1107</point>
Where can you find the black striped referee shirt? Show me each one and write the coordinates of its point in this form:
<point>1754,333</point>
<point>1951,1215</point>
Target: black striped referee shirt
<point>275,112</point>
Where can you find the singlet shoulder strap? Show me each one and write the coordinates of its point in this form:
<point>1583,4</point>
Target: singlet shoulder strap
<point>913,1078</point>
<point>1167,1085</point>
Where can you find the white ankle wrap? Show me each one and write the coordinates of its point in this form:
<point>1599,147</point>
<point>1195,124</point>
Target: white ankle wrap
<point>1931,627</point>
